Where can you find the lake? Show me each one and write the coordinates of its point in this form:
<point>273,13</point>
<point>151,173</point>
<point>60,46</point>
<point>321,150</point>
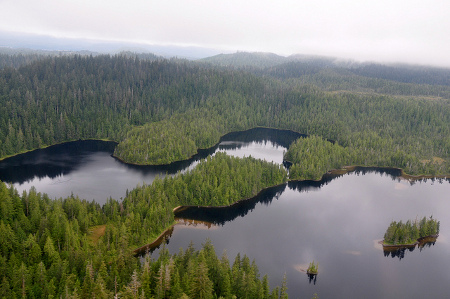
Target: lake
<point>87,168</point>
<point>336,222</point>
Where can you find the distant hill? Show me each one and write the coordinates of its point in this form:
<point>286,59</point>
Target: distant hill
<point>397,73</point>
<point>17,57</point>
<point>50,43</point>
<point>264,60</point>
<point>405,73</point>
<point>299,66</point>
<point>246,59</point>
<point>28,51</point>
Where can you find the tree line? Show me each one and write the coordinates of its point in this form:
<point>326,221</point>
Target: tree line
<point>313,156</point>
<point>73,248</point>
<point>218,181</point>
<point>186,105</point>
<point>409,232</point>
<point>161,111</point>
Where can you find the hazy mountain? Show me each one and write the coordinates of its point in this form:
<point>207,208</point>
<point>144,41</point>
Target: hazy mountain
<point>261,63</point>
<point>49,43</point>
<point>297,66</point>
<point>246,59</point>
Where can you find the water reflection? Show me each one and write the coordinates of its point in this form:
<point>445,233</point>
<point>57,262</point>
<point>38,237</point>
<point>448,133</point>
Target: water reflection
<point>393,173</point>
<point>63,159</point>
<point>400,251</point>
<point>164,238</point>
<point>221,215</point>
<point>312,278</point>
<point>283,138</point>
<point>88,170</point>
<point>51,162</point>
<point>335,222</point>
<point>426,245</point>
<point>171,168</point>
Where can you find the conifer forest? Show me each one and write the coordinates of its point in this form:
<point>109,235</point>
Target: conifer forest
<point>161,111</point>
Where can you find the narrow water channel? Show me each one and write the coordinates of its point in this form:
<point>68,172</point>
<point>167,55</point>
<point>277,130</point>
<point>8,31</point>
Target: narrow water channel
<point>336,222</point>
<point>88,170</point>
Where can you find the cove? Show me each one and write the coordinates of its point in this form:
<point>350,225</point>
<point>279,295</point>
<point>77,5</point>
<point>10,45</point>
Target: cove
<point>337,222</point>
<point>87,169</point>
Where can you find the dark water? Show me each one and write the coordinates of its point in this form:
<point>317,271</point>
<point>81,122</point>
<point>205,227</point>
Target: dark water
<point>336,222</point>
<point>87,169</point>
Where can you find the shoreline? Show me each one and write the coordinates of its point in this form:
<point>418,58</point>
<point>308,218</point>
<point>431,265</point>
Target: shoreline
<point>343,170</point>
<point>351,168</point>
<point>59,143</point>
<point>199,150</point>
<point>184,207</point>
<point>158,241</point>
<point>166,234</point>
<point>340,171</point>
<point>419,242</point>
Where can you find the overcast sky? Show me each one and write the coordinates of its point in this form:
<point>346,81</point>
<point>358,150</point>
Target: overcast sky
<point>382,30</point>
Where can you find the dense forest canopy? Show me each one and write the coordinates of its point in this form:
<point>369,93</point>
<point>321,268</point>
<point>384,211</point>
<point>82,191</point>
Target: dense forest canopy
<point>125,99</point>
<point>334,74</point>
<point>161,111</point>
<point>409,232</point>
<point>73,248</point>
<point>295,66</point>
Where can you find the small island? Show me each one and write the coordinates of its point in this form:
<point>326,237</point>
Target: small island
<point>313,269</point>
<point>407,235</point>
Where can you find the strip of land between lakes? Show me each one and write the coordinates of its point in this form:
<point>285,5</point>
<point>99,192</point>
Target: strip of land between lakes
<point>329,175</point>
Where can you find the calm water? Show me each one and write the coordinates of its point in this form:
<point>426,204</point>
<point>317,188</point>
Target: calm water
<point>338,225</point>
<point>87,169</point>
<point>336,222</point>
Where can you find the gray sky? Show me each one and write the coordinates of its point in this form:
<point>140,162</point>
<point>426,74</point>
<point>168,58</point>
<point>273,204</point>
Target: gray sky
<point>382,30</point>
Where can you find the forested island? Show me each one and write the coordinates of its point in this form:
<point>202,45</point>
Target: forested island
<point>313,268</point>
<point>411,232</point>
<point>161,111</point>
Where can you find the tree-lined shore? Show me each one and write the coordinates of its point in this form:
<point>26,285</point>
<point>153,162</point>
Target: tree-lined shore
<point>50,247</point>
<point>162,111</point>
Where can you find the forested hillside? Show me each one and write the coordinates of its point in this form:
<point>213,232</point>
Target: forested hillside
<point>73,248</point>
<point>295,66</point>
<point>334,74</point>
<point>245,60</point>
<point>161,111</point>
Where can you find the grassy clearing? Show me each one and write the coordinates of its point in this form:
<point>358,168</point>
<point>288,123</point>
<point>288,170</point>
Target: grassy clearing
<point>96,232</point>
